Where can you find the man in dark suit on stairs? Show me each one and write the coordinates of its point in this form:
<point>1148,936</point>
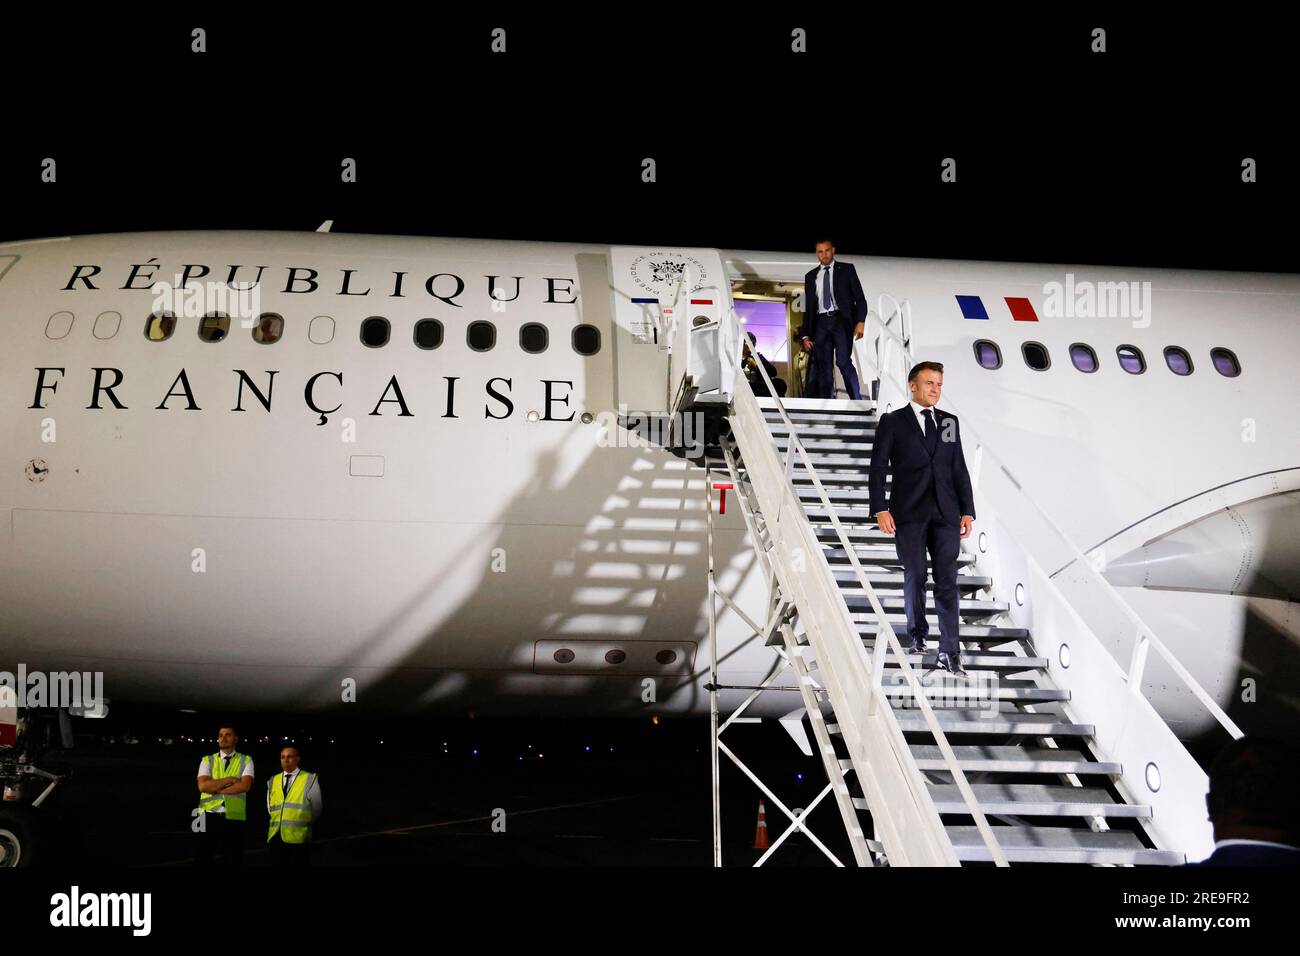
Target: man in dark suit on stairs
<point>835,313</point>
<point>930,508</point>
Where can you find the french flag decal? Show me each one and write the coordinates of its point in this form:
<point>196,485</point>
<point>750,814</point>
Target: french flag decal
<point>972,307</point>
<point>1021,310</point>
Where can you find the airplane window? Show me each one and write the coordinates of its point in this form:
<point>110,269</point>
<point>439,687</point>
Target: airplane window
<point>107,324</point>
<point>428,334</point>
<point>374,332</point>
<point>586,339</point>
<point>160,326</point>
<point>1179,362</point>
<point>214,326</point>
<point>1131,360</point>
<point>481,336</point>
<point>59,325</point>
<point>988,354</point>
<point>1225,362</point>
<point>1083,357</point>
<point>533,337</point>
<point>321,330</point>
<point>1036,356</point>
<point>269,328</point>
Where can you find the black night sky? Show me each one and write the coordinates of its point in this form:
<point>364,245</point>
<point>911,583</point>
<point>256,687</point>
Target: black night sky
<point>1132,156</point>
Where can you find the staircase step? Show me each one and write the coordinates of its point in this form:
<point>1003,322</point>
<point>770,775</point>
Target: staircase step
<point>835,492</point>
<point>809,430</point>
<point>1035,800</point>
<point>984,634</point>
<point>843,406</point>
<point>949,693</point>
<point>831,464</point>
<point>1006,663</point>
<point>1028,844</point>
<point>857,532</point>
<point>867,627</point>
<point>800,415</point>
<point>886,578</point>
<point>852,480</point>
<point>978,661</point>
<point>820,443</point>
<point>857,600</point>
<point>869,554</point>
<point>959,721</point>
<point>850,419</point>
<point>849,514</point>
<point>1047,844</point>
<point>998,759</point>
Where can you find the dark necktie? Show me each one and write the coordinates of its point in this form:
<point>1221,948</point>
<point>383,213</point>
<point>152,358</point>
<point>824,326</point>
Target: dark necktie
<point>931,432</point>
<point>826,288</point>
<point>227,759</point>
<point>286,786</point>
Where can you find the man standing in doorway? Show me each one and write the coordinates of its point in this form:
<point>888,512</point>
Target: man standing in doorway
<point>930,506</point>
<point>835,313</point>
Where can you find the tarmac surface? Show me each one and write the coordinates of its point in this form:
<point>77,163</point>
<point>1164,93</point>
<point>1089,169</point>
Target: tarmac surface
<point>454,793</point>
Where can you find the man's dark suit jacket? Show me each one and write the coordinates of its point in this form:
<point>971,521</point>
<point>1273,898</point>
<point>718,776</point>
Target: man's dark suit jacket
<point>900,448</point>
<point>846,290</point>
<point>1246,854</point>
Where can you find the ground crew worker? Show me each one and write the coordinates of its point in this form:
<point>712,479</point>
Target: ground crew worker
<point>294,803</point>
<point>225,778</point>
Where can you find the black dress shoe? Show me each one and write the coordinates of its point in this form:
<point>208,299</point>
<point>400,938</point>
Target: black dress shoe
<point>952,664</point>
<point>918,646</point>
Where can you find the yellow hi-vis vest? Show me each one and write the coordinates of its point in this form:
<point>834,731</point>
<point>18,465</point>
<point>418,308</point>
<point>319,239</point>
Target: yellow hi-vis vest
<point>290,813</point>
<point>236,804</point>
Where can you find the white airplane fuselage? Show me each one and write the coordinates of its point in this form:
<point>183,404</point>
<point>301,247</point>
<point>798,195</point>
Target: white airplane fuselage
<point>431,526</point>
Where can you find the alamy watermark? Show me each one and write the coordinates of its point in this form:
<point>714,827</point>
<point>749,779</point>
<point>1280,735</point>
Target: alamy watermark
<point>644,430</point>
<point>75,908</point>
<point>79,690</point>
<point>979,691</point>
<point>1098,300</point>
<point>188,299</point>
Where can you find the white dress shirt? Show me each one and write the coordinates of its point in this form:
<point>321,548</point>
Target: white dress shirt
<point>312,796</point>
<point>821,271</point>
<point>206,771</point>
<point>920,418</point>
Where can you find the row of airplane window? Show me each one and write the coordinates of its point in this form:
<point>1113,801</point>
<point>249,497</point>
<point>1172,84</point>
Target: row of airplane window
<point>1085,359</point>
<point>376,331</point>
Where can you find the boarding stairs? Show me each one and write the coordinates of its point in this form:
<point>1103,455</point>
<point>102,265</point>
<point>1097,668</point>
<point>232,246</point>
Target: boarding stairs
<point>1050,752</point>
<point>1049,793</point>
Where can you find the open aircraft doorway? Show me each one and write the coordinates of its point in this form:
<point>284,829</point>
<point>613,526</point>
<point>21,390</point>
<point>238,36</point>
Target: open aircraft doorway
<point>766,310</point>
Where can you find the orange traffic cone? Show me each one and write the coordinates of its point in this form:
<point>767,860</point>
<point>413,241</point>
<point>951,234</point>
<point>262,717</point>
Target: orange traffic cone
<point>760,836</point>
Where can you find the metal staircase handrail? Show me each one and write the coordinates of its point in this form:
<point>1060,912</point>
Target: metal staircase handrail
<point>679,344</point>
<point>1146,635</point>
<point>896,740</point>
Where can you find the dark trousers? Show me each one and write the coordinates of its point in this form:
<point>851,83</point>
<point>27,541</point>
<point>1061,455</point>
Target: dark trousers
<point>943,542</point>
<point>832,346</point>
<point>289,854</point>
<point>222,837</point>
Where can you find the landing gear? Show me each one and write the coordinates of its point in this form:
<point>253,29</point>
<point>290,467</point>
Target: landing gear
<point>25,786</point>
<point>21,835</point>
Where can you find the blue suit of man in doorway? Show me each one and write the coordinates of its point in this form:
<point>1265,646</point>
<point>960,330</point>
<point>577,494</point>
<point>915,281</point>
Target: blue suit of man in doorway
<point>835,313</point>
